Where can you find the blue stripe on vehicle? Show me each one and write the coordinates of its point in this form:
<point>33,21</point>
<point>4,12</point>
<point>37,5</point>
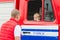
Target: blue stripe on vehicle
<point>45,30</point>
<point>24,37</point>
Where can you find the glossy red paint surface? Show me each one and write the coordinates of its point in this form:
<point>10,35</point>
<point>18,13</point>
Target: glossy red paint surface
<point>17,4</point>
<point>6,0</point>
<point>57,9</point>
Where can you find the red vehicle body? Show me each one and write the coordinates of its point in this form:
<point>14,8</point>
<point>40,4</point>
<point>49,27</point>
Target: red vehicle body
<point>21,5</point>
<point>23,10</point>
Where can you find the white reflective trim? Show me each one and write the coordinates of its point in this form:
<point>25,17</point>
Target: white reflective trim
<point>54,27</point>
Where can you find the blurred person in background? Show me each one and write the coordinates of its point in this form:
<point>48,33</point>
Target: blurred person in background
<point>10,30</point>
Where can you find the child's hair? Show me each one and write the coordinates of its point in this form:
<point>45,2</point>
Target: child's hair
<point>36,14</point>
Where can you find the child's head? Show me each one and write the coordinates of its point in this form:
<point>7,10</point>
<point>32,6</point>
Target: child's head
<point>36,17</point>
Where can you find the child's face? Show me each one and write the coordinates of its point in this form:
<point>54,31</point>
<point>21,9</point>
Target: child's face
<point>36,17</point>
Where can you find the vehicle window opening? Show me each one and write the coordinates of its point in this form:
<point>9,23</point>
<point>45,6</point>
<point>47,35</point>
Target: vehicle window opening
<point>48,11</point>
<point>34,10</point>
